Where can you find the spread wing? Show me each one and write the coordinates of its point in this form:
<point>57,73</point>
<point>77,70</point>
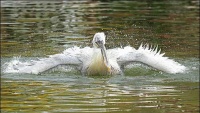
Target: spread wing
<point>71,56</point>
<point>152,57</point>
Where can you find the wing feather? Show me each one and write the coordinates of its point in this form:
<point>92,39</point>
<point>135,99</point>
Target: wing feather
<point>152,57</point>
<point>69,56</point>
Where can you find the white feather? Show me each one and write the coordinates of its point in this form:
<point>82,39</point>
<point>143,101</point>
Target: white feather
<point>152,58</point>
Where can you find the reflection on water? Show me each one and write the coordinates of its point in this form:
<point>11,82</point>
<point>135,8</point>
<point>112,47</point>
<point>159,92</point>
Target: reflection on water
<point>82,94</point>
<point>39,28</point>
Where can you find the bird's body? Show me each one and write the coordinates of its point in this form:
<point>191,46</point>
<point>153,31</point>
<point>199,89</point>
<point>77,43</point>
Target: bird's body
<point>97,65</point>
<point>98,60</point>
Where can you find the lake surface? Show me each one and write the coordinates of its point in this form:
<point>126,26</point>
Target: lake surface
<point>32,29</point>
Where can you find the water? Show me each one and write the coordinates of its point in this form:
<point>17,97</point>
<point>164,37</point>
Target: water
<point>37,29</point>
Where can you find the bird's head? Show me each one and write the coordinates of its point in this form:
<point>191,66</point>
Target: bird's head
<point>99,40</point>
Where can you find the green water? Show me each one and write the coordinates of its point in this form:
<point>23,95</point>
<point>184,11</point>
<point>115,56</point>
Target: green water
<point>40,28</point>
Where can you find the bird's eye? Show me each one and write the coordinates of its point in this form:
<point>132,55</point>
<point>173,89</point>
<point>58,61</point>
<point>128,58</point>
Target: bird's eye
<point>98,42</point>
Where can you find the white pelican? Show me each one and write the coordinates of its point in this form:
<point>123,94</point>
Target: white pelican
<point>98,60</point>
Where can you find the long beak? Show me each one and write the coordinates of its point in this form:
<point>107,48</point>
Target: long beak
<point>103,51</point>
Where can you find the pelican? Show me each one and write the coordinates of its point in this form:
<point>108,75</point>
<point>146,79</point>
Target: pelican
<point>98,60</point>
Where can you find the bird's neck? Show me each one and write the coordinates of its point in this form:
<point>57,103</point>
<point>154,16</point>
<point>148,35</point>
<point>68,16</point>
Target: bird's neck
<point>98,65</point>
